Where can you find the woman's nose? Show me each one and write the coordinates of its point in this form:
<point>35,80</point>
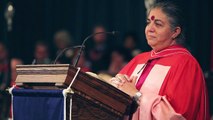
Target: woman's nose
<point>150,27</point>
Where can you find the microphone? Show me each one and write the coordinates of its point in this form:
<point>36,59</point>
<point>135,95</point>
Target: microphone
<point>65,49</point>
<point>88,37</point>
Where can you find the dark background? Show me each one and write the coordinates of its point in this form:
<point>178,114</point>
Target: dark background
<point>39,19</point>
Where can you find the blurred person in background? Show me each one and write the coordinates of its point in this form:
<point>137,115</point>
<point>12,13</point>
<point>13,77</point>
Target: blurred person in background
<point>5,78</point>
<point>119,58</point>
<point>41,53</point>
<point>83,63</point>
<point>13,63</point>
<point>131,43</point>
<point>98,52</point>
<point>62,40</point>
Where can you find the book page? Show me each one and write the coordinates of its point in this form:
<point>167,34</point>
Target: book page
<point>102,76</point>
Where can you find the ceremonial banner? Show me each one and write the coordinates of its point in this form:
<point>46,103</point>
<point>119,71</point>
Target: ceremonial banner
<point>29,104</point>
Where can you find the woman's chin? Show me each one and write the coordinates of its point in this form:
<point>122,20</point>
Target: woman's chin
<point>151,43</point>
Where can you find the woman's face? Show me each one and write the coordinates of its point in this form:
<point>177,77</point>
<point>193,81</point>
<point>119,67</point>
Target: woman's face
<point>158,32</point>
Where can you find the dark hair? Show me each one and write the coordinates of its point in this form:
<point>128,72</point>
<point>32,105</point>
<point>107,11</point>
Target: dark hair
<point>175,16</point>
<point>133,35</point>
<point>123,52</point>
<point>4,45</point>
<point>99,25</point>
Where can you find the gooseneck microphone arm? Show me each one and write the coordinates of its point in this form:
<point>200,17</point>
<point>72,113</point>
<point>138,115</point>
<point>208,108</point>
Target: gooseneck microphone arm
<point>65,49</point>
<point>88,37</point>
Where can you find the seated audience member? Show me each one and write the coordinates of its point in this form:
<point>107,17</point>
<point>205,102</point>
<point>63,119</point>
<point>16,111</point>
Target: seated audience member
<point>13,63</point>
<point>98,53</point>
<point>62,40</point>
<point>5,78</point>
<point>41,53</point>
<point>131,43</point>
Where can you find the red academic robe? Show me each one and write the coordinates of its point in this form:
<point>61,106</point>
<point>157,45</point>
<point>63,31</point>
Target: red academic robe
<point>174,89</point>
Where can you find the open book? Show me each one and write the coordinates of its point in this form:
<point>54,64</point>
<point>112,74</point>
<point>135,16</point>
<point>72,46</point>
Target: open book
<point>102,76</point>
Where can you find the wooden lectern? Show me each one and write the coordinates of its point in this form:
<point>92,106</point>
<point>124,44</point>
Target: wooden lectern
<point>93,99</point>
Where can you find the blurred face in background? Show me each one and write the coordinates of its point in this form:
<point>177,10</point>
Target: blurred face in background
<point>117,58</point>
<point>41,52</point>
<point>129,42</point>
<point>62,39</point>
<point>100,38</point>
<point>3,52</point>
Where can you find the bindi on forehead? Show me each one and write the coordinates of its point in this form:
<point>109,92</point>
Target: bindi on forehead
<point>152,17</point>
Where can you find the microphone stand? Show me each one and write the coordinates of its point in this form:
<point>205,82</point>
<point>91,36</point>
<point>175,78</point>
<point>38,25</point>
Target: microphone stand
<point>88,37</point>
<point>65,49</point>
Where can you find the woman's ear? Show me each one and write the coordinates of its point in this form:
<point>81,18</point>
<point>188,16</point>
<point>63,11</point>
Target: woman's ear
<point>177,32</point>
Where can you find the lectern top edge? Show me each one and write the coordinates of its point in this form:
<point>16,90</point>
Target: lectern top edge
<point>44,65</point>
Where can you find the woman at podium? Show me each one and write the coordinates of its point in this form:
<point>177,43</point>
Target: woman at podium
<point>167,82</point>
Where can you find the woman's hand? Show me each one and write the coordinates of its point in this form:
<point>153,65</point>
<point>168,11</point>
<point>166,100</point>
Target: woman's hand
<point>125,83</point>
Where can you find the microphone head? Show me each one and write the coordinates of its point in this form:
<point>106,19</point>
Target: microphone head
<point>115,32</point>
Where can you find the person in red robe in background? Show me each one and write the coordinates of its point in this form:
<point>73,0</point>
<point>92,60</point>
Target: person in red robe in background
<point>5,79</point>
<point>167,82</point>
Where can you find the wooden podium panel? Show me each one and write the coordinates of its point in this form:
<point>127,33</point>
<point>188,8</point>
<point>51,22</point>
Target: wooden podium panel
<point>93,98</point>
<point>85,109</point>
<point>42,75</point>
<point>100,91</point>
